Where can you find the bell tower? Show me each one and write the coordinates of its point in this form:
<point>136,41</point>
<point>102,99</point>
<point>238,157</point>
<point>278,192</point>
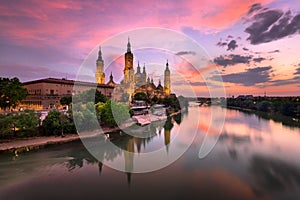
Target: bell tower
<point>167,80</point>
<point>128,70</point>
<point>100,75</point>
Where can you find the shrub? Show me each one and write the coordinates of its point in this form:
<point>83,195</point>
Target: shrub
<point>51,124</point>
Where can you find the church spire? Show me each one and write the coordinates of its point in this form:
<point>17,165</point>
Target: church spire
<point>144,69</point>
<point>111,80</point>
<point>100,75</point>
<point>167,80</point>
<point>100,54</point>
<point>128,46</point>
<point>167,65</point>
<point>138,68</point>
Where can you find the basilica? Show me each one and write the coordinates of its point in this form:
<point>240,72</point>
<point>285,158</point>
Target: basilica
<point>133,82</point>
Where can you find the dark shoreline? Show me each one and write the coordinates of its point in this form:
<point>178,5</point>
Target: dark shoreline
<point>285,120</point>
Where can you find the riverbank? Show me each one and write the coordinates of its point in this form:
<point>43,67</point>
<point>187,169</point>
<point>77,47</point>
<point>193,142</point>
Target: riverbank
<point>17,146</point>
<point>285,120</point>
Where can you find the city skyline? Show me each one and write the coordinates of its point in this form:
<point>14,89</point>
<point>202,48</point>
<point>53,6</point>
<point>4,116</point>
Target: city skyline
<point>252,43</point>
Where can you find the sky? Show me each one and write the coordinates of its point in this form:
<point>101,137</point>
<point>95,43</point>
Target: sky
<point>253,45</point>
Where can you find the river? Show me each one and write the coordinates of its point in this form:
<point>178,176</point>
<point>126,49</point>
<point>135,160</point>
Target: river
<point>253,158</point>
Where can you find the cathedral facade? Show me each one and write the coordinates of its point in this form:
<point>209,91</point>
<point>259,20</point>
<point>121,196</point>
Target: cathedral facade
<point>133,82</point>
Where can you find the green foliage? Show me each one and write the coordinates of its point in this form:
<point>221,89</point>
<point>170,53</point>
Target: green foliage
<point>113,114</point>
<point>131,113</point>
<point>172,103</point>
<point>154,100</point>
<point>57,123</point>
<point>27,123</point>
<point>51,124</point>
<point>99,97</point>
<point>11,92</point>
<point>140,96</point>
<point>288,109</point>
<point>91,95</point>
<point>84,116</point>
<point>67,100</point>
<point>288,106</point>
<point>6,122</point>
<point>264,106</point>
<point>23,124</point>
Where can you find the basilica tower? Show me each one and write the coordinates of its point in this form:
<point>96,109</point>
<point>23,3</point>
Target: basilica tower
<point>100,75</point>
<point>128,70</point>
<point>128,82</point>
<point>167,80</point>
<point>144,76</point>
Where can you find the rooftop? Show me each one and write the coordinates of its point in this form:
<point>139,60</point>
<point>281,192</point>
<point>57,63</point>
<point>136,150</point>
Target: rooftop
<point>65,81</point>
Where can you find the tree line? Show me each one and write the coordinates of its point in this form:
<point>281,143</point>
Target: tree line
<point>82,116</point>
<point>287,106</point>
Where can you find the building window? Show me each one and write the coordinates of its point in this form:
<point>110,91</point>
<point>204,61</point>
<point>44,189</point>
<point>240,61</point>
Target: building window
<point>51,92</point>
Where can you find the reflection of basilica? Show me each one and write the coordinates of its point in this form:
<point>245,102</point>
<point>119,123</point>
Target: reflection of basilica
<point>128,143</point>
<point>153,130</point>
<point>134,82</point>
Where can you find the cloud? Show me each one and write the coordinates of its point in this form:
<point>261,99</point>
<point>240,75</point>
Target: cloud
<point>254,7</point>
<point>232,45</point>
<point>187,82</point>
<point>245,49</point>
<point>291,81</point>
<point>270,25</point>
<point>28,73</point>
<point>198,83</point>
<point>275,51</point>
<point>221,44</point>
<point>180,53</point>
<point>260,59</point>
<point>297,70</point>
<point>250,77</point>
<point>232,59</point>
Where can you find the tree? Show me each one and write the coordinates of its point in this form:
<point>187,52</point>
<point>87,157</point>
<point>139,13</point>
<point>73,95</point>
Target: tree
<point>11,92</point>
<point>27,123</point>
<point>67,100</point>
<point>51,124</point>
<point>264,106</point>
<point>154,99</point>
<point>141,96</point>
<point>113,114</point>
<point>23,124</point>
<point>99,97</point>
<point>92,95</point>
<point>84,116</point>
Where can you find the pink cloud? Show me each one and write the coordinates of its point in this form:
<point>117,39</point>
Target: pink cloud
<point>76,27</point>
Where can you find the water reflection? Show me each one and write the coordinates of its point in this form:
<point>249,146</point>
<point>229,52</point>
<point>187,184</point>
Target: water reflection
<point>254,159</point>
<point>271,174</point>
<point>129,143</point>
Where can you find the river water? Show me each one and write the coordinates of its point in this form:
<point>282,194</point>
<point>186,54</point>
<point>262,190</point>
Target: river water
<point>253,158</point>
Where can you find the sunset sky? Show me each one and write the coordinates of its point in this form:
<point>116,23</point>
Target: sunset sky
<point>254,44</point>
